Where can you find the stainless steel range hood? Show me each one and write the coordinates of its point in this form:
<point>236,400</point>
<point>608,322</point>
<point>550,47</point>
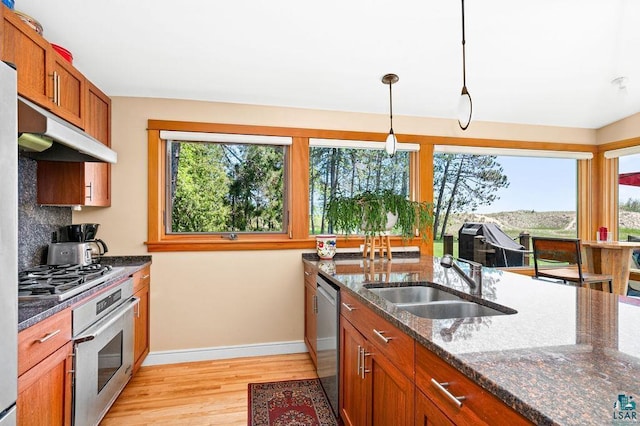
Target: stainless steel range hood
<point>67,142</point>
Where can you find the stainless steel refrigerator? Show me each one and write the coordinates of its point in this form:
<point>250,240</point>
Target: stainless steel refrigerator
<point>8,245</point>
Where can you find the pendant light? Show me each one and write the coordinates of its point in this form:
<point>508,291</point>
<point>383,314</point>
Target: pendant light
<point>465,106</point>
<point>391,142</point>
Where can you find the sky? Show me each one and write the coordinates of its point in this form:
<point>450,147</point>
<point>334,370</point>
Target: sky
<point>548,184</point>
<point>540,184</point>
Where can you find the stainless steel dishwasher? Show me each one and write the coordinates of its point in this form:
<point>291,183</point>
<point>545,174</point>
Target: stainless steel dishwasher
<point>328,339</point>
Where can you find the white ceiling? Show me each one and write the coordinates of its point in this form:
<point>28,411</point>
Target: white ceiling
<point>548,62</point>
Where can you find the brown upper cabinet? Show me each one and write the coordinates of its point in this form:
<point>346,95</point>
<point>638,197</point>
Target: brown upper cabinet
<point>44,77</point>
<point>47,79</point>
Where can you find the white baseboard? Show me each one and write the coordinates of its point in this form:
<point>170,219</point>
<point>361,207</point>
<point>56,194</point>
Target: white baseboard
<point>224,352</point>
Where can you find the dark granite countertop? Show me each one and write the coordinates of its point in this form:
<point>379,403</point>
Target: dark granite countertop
<point>32,312</point>
<point>563,358</point>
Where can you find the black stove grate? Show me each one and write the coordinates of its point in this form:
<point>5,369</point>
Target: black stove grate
<point>49,280</point>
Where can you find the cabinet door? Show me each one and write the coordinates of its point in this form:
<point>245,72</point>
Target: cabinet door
<point>310,320</point>
<point>428,414</point>
<point>97,184</point>
<point>353,387</point>
<point>98,114</point>
<point>392,393</point>
<point>70,183</point>
<point>25,48</point>
<point>68,91</point>
<point>61,182</point>
<point>97,122</point>
<point>141,289</point>
<point>141,329</point>
<point>44,391</point>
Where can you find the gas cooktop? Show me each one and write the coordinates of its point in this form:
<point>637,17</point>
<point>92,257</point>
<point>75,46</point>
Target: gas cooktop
<point>61,282</point>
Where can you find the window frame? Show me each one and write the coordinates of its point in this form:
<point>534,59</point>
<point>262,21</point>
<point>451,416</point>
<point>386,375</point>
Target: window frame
<point>297,235</point>
<point>222,234</point>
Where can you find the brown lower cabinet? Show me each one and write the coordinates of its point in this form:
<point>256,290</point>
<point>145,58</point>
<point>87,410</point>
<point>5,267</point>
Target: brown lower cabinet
<point>387,378</point>
<point>45,361</point>
<point>44,372</point>
<point>375,390</point>
<point>141,289</point>
<point>44,392</point>
<point>428,413</point>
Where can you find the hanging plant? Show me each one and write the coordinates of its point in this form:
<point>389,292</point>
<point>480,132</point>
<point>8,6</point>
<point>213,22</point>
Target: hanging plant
<point>367,213</point>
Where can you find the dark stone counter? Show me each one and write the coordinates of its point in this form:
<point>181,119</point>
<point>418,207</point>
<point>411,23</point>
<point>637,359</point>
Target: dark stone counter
<point>563,358</point>
<point>32,312</point>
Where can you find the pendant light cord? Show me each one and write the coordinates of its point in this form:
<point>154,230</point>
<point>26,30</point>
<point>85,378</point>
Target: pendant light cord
<point>464,64</point>
<point>390,106</point>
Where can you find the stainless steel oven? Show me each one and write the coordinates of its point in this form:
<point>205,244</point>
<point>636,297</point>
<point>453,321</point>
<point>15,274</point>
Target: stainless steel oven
<point>103,339</point>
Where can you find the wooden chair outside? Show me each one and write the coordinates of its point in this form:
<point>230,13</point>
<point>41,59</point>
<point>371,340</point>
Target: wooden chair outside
<point>568,252</point>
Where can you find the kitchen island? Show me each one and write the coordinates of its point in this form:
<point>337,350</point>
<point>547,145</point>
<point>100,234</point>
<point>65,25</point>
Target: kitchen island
<point>566,357</point>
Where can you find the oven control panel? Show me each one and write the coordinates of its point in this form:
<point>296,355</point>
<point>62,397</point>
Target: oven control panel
<point>98,307</point>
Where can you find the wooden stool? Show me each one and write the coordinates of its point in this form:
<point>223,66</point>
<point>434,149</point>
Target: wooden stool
<point>381,243</point>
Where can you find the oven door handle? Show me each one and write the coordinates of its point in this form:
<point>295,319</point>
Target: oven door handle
<point>112,318</point>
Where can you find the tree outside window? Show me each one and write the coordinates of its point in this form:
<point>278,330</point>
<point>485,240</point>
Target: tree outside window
<point>224,187</point>
<point>347,172</point>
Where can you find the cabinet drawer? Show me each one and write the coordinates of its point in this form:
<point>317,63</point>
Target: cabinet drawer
<point>142,278</point>
<point>40,340</point>
<point>479,406</point>
<point>397,346</point>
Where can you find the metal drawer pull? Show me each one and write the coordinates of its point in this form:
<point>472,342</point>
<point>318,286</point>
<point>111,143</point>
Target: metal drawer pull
<point>363,362</point>
<point>380,334</point>
<point>349,307</point>
<point>48,336</point>
<point>144,277</point>
<point>307,273</point>
<point>442,388</point>
<point>359,359</point>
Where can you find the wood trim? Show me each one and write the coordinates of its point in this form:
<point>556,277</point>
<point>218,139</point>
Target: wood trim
<point>585,206</point>
<point>603,194</point>
<point>188,126</point>
<point>608,202</point>
<point>505,143</point>
<point>155,181</point>
<point>424,169</point>
<point>625,143</point>
<point>299,188</point>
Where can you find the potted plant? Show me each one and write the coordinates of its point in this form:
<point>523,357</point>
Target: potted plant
<point>369,213</point>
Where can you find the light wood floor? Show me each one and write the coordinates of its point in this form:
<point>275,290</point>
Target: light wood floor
<point>201,393</point>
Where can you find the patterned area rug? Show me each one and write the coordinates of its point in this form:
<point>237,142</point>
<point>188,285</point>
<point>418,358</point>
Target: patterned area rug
<point>289,403</point>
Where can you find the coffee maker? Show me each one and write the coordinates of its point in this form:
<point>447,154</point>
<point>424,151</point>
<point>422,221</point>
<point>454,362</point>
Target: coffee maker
<point>86,233</point>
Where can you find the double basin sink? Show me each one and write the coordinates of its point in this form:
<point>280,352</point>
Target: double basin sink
<point>433,303</point>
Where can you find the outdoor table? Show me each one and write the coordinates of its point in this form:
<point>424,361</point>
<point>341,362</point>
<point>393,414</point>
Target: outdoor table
<point>612,258</point>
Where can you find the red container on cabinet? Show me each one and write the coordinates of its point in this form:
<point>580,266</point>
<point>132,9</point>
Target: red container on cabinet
<point>63,52</point>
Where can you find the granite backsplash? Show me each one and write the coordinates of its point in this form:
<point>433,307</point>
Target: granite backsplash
<point>36,223</point>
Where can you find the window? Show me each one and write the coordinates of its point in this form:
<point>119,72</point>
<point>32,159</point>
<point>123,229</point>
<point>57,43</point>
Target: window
<point>216,186</point>
<point>225,187</point>
<point>629,200</point>
<point>336,168</point>
<point>515,195</point>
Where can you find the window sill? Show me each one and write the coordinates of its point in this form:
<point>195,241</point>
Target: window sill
<point>228,245</point>
<point>247,243</point>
